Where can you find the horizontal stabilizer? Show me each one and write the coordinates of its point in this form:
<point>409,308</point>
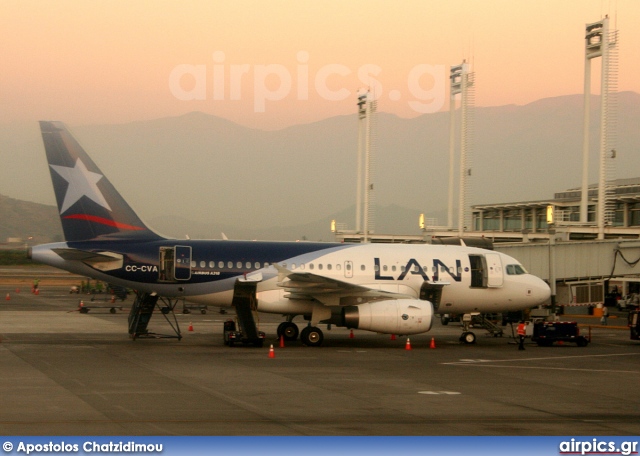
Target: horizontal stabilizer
<point>104,261</point>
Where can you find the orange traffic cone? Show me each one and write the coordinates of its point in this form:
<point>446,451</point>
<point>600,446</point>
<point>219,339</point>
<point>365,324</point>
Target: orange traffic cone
<point>433,343</point>
<point>351,336</point>
<point>81,304</point>
<point>8,298</point>
<point>272,354</point>
<point>190,326</point>
<point>281,341</point>
<point>113,299</point>
<point>37,291</point>
<point>393,337</point>
<point>407,346</point>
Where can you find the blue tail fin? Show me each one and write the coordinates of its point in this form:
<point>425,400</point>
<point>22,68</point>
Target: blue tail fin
<point>90,207</point>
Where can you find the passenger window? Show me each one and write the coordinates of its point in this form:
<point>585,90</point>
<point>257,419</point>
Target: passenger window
<point>329,266</point>
<point>203,264</point>
<point>393,268</point>
<point>311,266</point>
<point>257,265</point>
<point>193,264</point>
<point>320,266</point>
<point>348,266</point>
<point>212,264</point>
<point>248,264</point>
<point>339,267</point>
<point>221,264</point>
<point>362,267</point>
<point>230,264</point>
<point>385,268</point>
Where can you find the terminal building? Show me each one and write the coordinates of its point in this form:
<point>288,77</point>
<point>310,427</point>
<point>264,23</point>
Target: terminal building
<point>527,221</point>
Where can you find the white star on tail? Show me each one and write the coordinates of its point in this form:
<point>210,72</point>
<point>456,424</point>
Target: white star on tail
<point>82,182</point>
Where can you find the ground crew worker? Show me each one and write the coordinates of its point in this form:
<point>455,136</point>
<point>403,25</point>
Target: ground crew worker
<point>522,332</point>
<point>605,315</point>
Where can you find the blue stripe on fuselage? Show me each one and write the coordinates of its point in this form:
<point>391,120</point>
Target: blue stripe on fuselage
<point>141,259</point>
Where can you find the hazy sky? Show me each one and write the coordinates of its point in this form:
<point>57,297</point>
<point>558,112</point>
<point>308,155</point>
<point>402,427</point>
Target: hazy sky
<point>277,63</point>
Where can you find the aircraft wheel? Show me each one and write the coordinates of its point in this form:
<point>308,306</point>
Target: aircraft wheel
<point>311,336</point>
<point>289,330</point>
<point>203,311</point>
<point>468,337</point>
<point>444,320</point>
<point>112,310</point>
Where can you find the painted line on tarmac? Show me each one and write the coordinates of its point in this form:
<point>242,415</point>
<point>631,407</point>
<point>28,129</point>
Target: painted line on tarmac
<point>493,363</point>
<point>466,361</point>
<point>440,393</point>
<point>550,368</point>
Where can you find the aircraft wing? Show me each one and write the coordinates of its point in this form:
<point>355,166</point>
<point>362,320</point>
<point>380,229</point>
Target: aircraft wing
<point>331,292</point>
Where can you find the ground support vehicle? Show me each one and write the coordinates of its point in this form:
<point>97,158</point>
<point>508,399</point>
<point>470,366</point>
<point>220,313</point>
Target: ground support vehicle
<point>545,333</point>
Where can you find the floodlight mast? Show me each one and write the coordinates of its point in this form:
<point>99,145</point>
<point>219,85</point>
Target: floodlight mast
<point>366,108</point>
<point>600,42</point>
<point>461,82</point>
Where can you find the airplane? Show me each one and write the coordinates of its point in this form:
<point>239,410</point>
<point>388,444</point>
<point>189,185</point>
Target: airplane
<point>384,288</point>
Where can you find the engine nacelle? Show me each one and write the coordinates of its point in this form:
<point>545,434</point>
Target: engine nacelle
<point>397,316</point>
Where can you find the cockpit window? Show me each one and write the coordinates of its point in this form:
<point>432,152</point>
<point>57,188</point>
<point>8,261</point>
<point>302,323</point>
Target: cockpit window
<point>515,269</point>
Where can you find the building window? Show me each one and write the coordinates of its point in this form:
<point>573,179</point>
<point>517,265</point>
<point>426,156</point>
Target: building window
<point>618,215</point>
<point>634,214</point>
<point>491,221</point>
<point>513,220</point>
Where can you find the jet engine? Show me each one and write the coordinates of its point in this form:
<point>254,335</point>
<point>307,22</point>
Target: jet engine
<point>397,316</point>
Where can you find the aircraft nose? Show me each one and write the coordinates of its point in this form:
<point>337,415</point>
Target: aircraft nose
<point>541,291</point>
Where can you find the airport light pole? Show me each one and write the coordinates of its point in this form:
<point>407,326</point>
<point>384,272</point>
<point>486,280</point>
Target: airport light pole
<point>600,42</point>
<point>552,256</point>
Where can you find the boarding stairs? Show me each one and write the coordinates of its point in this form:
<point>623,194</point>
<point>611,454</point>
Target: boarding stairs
<point>481,321</point>
<point>245,302</point>
<point>140,314</point>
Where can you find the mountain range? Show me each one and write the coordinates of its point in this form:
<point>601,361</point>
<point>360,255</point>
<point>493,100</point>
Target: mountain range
<point>199,174</point>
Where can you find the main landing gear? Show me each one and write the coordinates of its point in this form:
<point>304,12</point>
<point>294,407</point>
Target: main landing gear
<point>310,335</point>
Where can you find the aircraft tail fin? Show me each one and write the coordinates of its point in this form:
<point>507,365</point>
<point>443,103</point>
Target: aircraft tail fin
<point>90,207</point>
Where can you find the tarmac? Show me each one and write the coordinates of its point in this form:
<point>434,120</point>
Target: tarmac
<point>69,373</point>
